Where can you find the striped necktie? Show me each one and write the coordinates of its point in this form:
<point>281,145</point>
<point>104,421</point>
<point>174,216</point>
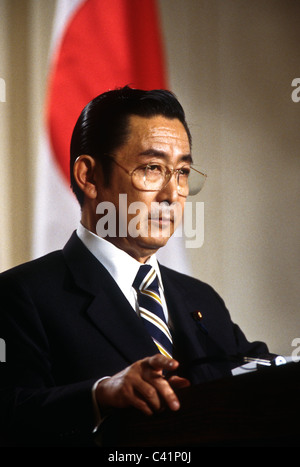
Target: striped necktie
<point>150,309</point>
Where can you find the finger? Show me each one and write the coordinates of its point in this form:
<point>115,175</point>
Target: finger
<point>140,404</point>
<point>116,392</point>
<point>160,362</point>
<point>178,382</point>
<point>149,394</point>
<point>157,363</point>
<point>165,392</point>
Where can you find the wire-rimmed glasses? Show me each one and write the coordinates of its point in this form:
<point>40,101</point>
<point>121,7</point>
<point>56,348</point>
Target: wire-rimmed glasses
<point>155,176</point>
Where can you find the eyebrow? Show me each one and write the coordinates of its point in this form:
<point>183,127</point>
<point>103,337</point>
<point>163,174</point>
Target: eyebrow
<point>162,155</point>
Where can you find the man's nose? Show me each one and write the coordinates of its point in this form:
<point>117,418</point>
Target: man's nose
<point>169,192</point>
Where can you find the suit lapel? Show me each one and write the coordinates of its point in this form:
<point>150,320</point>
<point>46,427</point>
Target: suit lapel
<point>114,317</point>
<point>190,338</point>
<point>109,310</point>
<point>181,314</point>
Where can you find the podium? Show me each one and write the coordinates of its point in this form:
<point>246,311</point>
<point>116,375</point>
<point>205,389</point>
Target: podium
<point>260,408</point>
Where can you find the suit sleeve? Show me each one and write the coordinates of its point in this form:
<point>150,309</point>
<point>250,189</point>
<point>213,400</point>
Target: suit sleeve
<point>33,407</point>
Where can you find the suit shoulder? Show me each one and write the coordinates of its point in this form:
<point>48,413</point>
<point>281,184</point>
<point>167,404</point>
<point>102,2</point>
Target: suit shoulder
<point>35,269</point>
<point>185,280</point>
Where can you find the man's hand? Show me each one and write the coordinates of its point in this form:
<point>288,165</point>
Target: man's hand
<point>143,386</point>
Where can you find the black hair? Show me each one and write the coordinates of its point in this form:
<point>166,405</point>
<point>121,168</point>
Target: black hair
<point>102,126</point>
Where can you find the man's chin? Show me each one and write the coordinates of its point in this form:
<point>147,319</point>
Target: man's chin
<point>153,242</point>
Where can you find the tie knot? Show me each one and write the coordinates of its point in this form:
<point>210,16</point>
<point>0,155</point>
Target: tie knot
<point>146,278</point>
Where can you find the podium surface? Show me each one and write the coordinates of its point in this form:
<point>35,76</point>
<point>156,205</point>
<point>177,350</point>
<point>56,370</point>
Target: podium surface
<point>260,408</point>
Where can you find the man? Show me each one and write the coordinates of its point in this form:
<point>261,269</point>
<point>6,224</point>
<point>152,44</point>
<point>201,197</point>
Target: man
<point>74,322</point>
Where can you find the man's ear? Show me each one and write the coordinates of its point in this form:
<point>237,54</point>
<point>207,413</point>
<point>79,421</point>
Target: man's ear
<point>84,171</point>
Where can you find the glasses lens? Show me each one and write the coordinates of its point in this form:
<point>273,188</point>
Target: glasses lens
<point>154,177</point>
<point>196,180</point>
<point>150,177</point>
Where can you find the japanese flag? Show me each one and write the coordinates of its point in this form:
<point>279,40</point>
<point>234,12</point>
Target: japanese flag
<point>96,45</point>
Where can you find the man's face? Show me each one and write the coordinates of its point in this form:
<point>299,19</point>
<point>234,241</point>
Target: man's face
<point>151,140</point>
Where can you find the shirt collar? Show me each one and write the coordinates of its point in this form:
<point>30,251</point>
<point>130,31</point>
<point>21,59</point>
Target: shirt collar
<point>121,266</point>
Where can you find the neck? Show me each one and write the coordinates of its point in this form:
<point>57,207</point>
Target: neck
<point>123,243</point>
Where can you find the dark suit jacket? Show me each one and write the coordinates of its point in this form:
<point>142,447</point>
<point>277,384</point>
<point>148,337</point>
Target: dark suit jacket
<point>66,324</point>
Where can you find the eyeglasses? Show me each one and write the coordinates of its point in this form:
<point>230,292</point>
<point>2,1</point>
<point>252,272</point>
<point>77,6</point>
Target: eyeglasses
<point>155,177</point>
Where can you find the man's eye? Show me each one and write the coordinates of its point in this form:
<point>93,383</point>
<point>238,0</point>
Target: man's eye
<point>184,171</point>
<point>154,168</point>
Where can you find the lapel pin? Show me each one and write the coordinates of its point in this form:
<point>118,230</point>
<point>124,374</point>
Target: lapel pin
<point>197,315</point>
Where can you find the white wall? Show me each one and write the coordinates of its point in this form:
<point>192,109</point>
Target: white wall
<point>235,61</point>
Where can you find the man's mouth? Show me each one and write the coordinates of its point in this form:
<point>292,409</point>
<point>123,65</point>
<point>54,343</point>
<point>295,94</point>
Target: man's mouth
<point>163,218</point>
<point>162,213</point>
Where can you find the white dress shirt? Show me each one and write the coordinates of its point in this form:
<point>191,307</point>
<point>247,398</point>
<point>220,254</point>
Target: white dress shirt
<point>121,266</point>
